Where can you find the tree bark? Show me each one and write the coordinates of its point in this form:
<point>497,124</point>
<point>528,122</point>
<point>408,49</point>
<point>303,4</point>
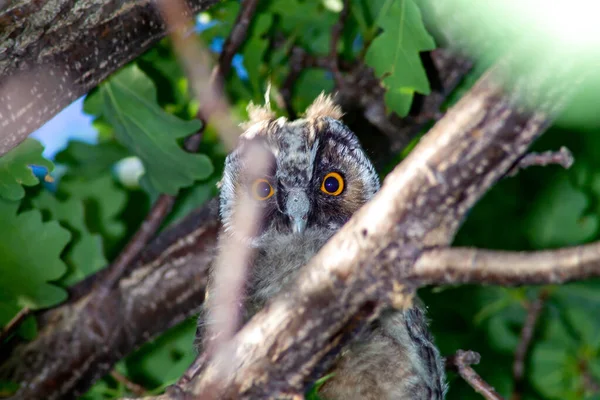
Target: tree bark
<point>54,51</point>
<point>366,265</point>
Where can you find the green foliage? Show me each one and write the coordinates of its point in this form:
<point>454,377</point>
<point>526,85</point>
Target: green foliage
<point>129,105</point>
<point>15,169</point>
<point>56,235</point>
<point>85,254</point>
<point>394,54</point>
<point>30,253</point>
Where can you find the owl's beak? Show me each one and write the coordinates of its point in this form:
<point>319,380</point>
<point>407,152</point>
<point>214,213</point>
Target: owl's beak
<point>297,207</point>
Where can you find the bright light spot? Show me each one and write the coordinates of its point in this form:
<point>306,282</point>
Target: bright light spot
<point>573,22</point>
<point>204,18</point>
<point>129,171</point>
<point>334,5</point>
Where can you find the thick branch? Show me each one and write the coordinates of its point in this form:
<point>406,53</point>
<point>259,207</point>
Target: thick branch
<point>420,205</point>
<point>465,265</point>
<point>52,52</point>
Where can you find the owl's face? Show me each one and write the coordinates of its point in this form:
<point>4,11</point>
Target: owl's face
<point>317,174</point>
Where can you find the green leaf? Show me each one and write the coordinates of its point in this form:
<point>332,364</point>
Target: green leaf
<point>30,252</point>
<point>309,85</point>
<point>394,54</point>
<point>254,51</point>
<point>85,254</point>
<point>15,168</point>
<point>557,216</point>
<point>104,199</point>
<point>162,361</point>
<point>91,160</point>
<point>129,104</point>
<point>554,370</point>
<point>309,21</point>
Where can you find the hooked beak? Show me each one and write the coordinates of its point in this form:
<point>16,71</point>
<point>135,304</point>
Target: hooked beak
<point>297,207</point>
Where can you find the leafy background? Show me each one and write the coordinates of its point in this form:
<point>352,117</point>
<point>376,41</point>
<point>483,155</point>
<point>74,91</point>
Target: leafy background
<point>65,218</point>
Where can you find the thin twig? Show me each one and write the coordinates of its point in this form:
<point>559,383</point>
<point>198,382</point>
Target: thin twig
<point>563,157</point>
<point>237,36</point>
<point>160,209</point>
<point>534,310</point>
<point>14,323</point>
<point>133,387</point>
<point>336,32</point>
<point>461,362</point>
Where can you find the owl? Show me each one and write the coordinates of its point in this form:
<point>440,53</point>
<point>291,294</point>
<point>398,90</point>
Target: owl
<point>315,178</point>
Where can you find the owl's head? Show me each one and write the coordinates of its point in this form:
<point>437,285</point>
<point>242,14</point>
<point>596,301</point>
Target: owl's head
<point>316,175</point>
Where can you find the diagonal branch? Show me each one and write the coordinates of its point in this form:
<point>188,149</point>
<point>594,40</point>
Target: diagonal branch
<point>461,362</point>
<point>370,260</point>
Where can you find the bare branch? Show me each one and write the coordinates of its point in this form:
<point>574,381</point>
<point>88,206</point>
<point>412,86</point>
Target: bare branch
<point>133,387</point>
<point>369,260</point>
<point>71,47</point>
<point>461,362</point>
<point>534,310</point>
<point>452,266</point>
<point>160,209</point>
<point>336,32</point>
<point>237,36</point>
<point>563,157</point>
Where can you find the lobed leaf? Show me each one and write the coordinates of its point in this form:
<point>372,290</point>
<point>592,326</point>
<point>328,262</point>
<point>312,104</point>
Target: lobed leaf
<point>129,104</point>
<point>394,54</point>
<point>30,251</point>
<point>15,168</point>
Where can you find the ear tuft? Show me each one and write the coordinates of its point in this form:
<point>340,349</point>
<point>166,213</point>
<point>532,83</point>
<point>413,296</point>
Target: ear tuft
<point>324,106</point>
<point>258,114</point>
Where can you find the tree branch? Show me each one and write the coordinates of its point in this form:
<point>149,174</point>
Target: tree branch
<point>51,53</point>
<point>465,265</point>
<point>534,309</point>
<point>563,157</point>
<point>237,36</point>
<point>370,260</point>
<point>461,362</point>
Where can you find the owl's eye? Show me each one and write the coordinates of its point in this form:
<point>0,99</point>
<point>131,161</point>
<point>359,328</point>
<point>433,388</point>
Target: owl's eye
<point>333,184</point>
<point>262,189</point>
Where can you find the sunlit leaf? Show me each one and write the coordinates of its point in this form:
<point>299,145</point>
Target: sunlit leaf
<point>129,104</point>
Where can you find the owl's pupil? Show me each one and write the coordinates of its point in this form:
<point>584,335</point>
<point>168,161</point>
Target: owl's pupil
<point>263,189</point>
<point>331,184</point>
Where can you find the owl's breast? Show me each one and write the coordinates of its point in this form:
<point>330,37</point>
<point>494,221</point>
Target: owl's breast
<point>278,258</point>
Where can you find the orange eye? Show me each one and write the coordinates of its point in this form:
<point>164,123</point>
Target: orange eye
<point>262,189</point>
<point>333,184</point>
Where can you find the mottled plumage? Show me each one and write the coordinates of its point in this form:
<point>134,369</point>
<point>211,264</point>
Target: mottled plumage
<point>395,358</point>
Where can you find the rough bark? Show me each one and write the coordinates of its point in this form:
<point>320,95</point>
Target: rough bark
<point>75,348</point>
<point>54,51</point>
<point>421,205</point>
<point>32,369</point>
